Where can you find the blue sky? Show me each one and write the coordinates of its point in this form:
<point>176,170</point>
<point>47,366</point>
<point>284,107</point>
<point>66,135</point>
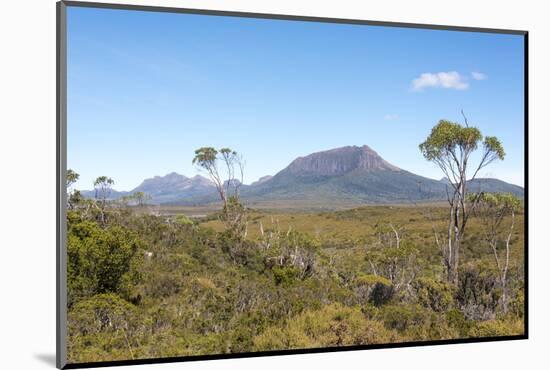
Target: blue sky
<point>146,89</point>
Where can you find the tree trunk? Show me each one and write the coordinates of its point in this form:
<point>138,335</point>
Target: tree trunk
<point>454,246</point>
<point>504,296</point>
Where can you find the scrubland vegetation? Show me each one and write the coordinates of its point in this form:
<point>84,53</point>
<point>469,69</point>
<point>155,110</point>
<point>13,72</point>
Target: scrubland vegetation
<point>143,284</point>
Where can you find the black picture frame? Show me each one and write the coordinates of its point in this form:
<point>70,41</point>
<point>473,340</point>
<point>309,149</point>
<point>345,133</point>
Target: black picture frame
<point>61,196</point>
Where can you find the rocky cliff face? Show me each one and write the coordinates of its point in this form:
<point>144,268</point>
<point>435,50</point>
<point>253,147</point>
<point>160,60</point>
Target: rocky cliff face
<point>340,161</point>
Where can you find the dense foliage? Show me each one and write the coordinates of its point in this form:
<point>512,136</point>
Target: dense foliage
<point>145,285</point>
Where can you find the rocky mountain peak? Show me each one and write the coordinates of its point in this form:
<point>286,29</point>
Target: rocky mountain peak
<point>340,161</point>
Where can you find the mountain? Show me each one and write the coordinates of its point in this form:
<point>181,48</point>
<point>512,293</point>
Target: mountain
<point>175,187</point>
<point>494,186</point>
<point>261,180</point>
<point>170,188</point>
<point>351,175</point>
<point>340,161</point>
<point>357,175</point>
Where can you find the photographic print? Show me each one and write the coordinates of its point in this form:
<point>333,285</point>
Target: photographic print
<point>240,185</point>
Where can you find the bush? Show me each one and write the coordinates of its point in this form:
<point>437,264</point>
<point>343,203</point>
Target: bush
<point>105,322</point>
<point>381,294</point>
<point>433,294</point>
<point>101,260</point>
<point>293,249</point>
<point>517,304</point>
<point>496,328</point>
<point>458,321</point>
<point>240,250</point>
<point>477,293</point>
<point>183,220</point>
<point>285,275</point>
<point>414,322</point>
<point>333,325</point>
<point>364,285</point>
<point>402,318</point>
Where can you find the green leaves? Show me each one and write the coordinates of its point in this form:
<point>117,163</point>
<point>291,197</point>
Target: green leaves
<point>446,137</point>
<point>493,145</point>
<point>205,157</point>
<point>72,177</point>
<point>501,201</point>
<point>104,181</point>
<point>452,139</point>
<point>227,152</point>
<point>101,260</point>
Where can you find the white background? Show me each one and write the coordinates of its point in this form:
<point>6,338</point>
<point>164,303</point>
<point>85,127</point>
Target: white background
<point>27,185</point>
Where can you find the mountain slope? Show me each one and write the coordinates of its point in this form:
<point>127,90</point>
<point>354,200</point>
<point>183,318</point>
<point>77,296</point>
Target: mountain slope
<point>356,174</point>
<point>174,187</point>
<point>170,188</point>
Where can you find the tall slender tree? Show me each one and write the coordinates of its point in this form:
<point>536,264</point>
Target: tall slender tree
<point>141,198</point>
<point>223,166</point>
<point>73,195</point>
<point>72,177</point>
<point>103,186</point>
<point>206,158</point>
<point>450,145</point>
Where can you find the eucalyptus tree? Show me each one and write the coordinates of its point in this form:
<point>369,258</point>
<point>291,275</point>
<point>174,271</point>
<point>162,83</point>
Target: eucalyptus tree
<point>141,198</point>
<point>103,186</point>
<point>497,214</point>
<point>73,195</point>
<point>72,177</point>
<point>223,166</point>
<point>206,158</point>
<point>450,146</point>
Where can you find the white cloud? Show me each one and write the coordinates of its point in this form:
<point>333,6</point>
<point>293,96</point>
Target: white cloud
<point>479,76</point>
<point>446,80</point>
<point>391,117</point>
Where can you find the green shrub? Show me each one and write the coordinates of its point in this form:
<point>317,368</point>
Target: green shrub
<point>458,321</point>
<point>101,260</point>
<point>372,288</point>
<point>105,322</point>
<point>496,328</point>
<point>477,292</point>
<point>183,220</point>
<point>517,304</point>
<point>285,275</point>
<point>333,325</point>
<point>402,318</point>
<point>433,294</point>
<point>414,322</point>
<point>381,294</point>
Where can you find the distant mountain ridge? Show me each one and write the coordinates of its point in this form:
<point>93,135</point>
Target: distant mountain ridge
<point>172,187</point>
<point>349,174</point>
